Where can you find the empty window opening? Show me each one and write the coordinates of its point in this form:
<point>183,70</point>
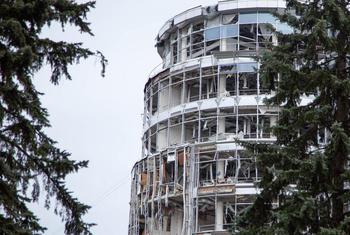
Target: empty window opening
<point>247,37</point>
<point>248,83</point>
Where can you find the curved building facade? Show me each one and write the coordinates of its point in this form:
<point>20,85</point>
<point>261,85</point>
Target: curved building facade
<point>193,177</point>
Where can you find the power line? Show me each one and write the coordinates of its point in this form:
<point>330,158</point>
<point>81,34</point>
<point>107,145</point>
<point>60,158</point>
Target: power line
<point>103,197</point>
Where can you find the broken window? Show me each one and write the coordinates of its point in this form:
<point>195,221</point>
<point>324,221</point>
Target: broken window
<point>148,99</point>
<point>192,85</point>
<point>208,125</point>
<point>197,45</point>
<point>174,48</point>
<point>229,37</point>
<point>153,139</point>
<point>247,83</point>
<point>323,137</point>
<point>264,126</point>
<point>212,38</point>
<point>198,26</point>
<point>228,69</point>
<point>185,43</point>
<point>243,202</point>
<point>213,21</point>
<point>176,89</point>
<point>231,44</point>
<point>231,84</point>
<point>246,169</point>
<point>192,74</point>
<point>164,95</point>
<point>229,73</point>
<point>175,130</point>
<point>197,40</point>
<point>181,157</point>
<point>229,19</point>
<point>162,135</point>
<point>212,46</point>
<point>167,54</point>
<point>155,98</point>
<point>247,37</point>
<point>192,90</point>
<point>230,216</point>
<point>247,126</point>
<point>191,127</point>
<point>231,169</point>
<point>209,82</point>
<point>206,174</point>
<point>206,214</point>
<point>185,48</point>
<point>264,35</point>
<point>145,142</point>
<point>207,169</point>
<point>169,174</point>
<point>230,125</point>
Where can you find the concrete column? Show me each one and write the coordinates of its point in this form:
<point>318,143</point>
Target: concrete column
<point>221,125</point>
<point>219,209</point>
<point>162,139</point>
<point>220,170</point>
<point>176,223</point>
<point>163,99</point>
<point>219,216</point>
<point>245,126</point>
<point>224,44</point>
<point>222,85</point>
<point>165,223</point>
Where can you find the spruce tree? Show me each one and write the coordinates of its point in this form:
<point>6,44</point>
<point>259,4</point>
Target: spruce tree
<point>30,162</point>
<point>305,183</point>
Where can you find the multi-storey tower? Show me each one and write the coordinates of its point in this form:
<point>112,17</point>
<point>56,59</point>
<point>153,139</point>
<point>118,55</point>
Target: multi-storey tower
<point>194,177</point>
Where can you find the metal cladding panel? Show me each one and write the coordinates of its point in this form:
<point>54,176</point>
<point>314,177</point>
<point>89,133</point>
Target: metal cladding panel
<point>207,61</point>
<point>228,147</point>
<point>247,100</point>
<point>184,65</point>
<point>245,191</point>
<point>241,4</point>
<point>162,116</point>
<point>236,60</point>
<point>208,104</point>
<point>246,188</point>
<point>226,102</point>
<point>154,120</point>
<point>189,14</point>
<point>193,106</point>
<point>176,110</point>
<point>165,28</point>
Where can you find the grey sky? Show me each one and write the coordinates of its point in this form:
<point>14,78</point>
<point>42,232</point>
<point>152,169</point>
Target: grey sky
<point>99,119</point>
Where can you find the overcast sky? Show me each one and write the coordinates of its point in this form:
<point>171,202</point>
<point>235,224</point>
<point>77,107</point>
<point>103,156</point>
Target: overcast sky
<point>99,119</point>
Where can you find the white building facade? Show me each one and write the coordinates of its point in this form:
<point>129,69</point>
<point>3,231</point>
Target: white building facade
<point>194,177</point>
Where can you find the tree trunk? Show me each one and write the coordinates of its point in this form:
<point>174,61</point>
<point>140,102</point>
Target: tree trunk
<point>340,155</point>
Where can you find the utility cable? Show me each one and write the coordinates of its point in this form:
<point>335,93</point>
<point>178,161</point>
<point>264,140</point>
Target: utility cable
<point>103,196</point>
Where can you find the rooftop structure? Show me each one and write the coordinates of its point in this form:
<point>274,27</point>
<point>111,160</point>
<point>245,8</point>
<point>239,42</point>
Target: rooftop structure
<point>193,176</point>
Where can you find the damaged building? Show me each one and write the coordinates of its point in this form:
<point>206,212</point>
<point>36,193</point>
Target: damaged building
<point>193,176</point>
